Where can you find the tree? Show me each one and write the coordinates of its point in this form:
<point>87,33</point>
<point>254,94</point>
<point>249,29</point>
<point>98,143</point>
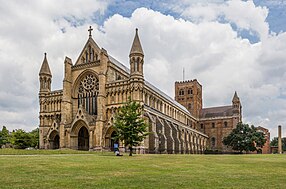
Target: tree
<point>21,139</point>
<point>245,138</point>
<point>34,134</point>
<point>129,124</point>
<point>274,142</point>
<point>4,136</point>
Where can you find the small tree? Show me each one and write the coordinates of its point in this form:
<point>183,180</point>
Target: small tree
<point>4,136</point>
<point>34,134</point>
<point>129,124</point>
<point>245,138</point>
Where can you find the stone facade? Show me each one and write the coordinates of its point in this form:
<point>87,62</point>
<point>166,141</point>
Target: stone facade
<point>80,115</point>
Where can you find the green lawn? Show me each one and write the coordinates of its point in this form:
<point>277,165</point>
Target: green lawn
<point>74,169</point>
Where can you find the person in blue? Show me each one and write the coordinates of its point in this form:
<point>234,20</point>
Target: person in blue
<point>116,150</point>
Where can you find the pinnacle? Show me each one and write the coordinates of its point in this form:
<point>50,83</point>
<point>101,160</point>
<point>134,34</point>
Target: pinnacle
<point>235,97</point>
<point>45,69</point>
<point>136,46</point>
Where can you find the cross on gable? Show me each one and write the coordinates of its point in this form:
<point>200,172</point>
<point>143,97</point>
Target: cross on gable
<point>89,30</point>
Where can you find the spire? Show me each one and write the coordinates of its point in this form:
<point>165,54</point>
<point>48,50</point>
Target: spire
<point>45,69</point>
<point>235,97</point>
<point>136,46</point>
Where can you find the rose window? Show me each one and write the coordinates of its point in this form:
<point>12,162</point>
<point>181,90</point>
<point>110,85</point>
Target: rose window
<point>87,93</point>
<point>89,83</point>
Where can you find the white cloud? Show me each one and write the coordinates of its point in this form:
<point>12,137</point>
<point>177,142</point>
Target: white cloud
<point>209,50</point>
<point>27,30</point>
<point>213,53</point>
<point>244,14</point>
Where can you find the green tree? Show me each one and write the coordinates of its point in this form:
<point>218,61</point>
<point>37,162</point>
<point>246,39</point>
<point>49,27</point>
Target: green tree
<point>129,124</point>
<point>274,142</point>
<point>21,139</point>
<point>245,138</point>
<point>4,136</point>
<point>34,134</point>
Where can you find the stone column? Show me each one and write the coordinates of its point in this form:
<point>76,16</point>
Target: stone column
<point>279,140</point>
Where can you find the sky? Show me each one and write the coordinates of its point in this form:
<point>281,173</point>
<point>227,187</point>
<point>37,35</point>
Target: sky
<point>227,45</point>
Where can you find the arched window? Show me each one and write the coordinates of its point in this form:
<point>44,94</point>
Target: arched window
<point>213,125</point>
<point>190,91</point>
<point>86,56</point>
<point>213,142</point>
<point>181,92</point>
<point>225,124</point>
<point>87,94</point>
<point>135,66</point>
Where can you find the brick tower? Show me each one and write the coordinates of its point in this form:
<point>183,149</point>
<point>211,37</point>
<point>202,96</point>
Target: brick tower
<point>189,94</point>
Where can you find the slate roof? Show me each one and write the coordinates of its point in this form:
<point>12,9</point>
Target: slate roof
<point>220,111</point>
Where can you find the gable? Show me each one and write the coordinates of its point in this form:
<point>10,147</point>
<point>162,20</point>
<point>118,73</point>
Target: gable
<point>90,53</point>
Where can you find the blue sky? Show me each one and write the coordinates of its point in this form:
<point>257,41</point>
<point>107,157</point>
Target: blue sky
<point>227,45</point>
<point>276,16</point>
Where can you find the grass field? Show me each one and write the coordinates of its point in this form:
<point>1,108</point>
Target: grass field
<point>74,169</point>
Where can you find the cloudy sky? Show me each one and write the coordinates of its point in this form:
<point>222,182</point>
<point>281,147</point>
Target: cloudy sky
<point>227,45</point>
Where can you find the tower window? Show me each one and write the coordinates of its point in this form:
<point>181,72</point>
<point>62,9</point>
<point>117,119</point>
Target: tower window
<point>189,106</point>
<point>181,92</point>
<point>190,91</point>
<point>225,124</point>
<point>135,67</point>
<point>202,126</point>
<point>213,125</point>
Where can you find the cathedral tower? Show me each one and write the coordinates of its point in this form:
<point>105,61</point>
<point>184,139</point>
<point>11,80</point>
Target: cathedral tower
<point>45,77</point>
<point>189,94</point>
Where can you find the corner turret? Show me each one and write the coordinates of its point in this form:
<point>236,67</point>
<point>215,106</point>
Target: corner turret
<point>45,77</point>
<point>136,58</point>
<point>235,101</point>
<point>236,105</point>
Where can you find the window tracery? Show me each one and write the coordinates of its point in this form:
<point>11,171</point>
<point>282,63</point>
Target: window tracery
<point>87,93</point>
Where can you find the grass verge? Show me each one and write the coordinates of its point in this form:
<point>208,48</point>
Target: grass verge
<point>74,169</point>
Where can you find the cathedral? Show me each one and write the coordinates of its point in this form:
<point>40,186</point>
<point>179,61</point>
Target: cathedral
<point>80,116</point>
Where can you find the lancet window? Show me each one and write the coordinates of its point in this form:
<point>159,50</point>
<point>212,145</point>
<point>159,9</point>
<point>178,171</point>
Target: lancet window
<point>87,94</point>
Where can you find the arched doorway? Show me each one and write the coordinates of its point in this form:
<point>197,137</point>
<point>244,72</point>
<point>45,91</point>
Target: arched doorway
<point>54,140</point>
<point>83,139</point>
<point>112,141</point>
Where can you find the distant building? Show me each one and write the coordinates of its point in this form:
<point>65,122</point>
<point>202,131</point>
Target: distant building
<point>266,148</point>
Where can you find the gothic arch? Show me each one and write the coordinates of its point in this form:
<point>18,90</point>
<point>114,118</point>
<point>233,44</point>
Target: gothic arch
<point>79,135</point>
<point>77,126</point>
<point>80,77</point>
<point>109,142</point>
<point>54,140</point>
<point>86,90</point>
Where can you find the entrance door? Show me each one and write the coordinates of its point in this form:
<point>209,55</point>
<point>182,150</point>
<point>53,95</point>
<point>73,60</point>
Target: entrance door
<point>112,141</point>
<point>83,139</point>
<point>56,144</point>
